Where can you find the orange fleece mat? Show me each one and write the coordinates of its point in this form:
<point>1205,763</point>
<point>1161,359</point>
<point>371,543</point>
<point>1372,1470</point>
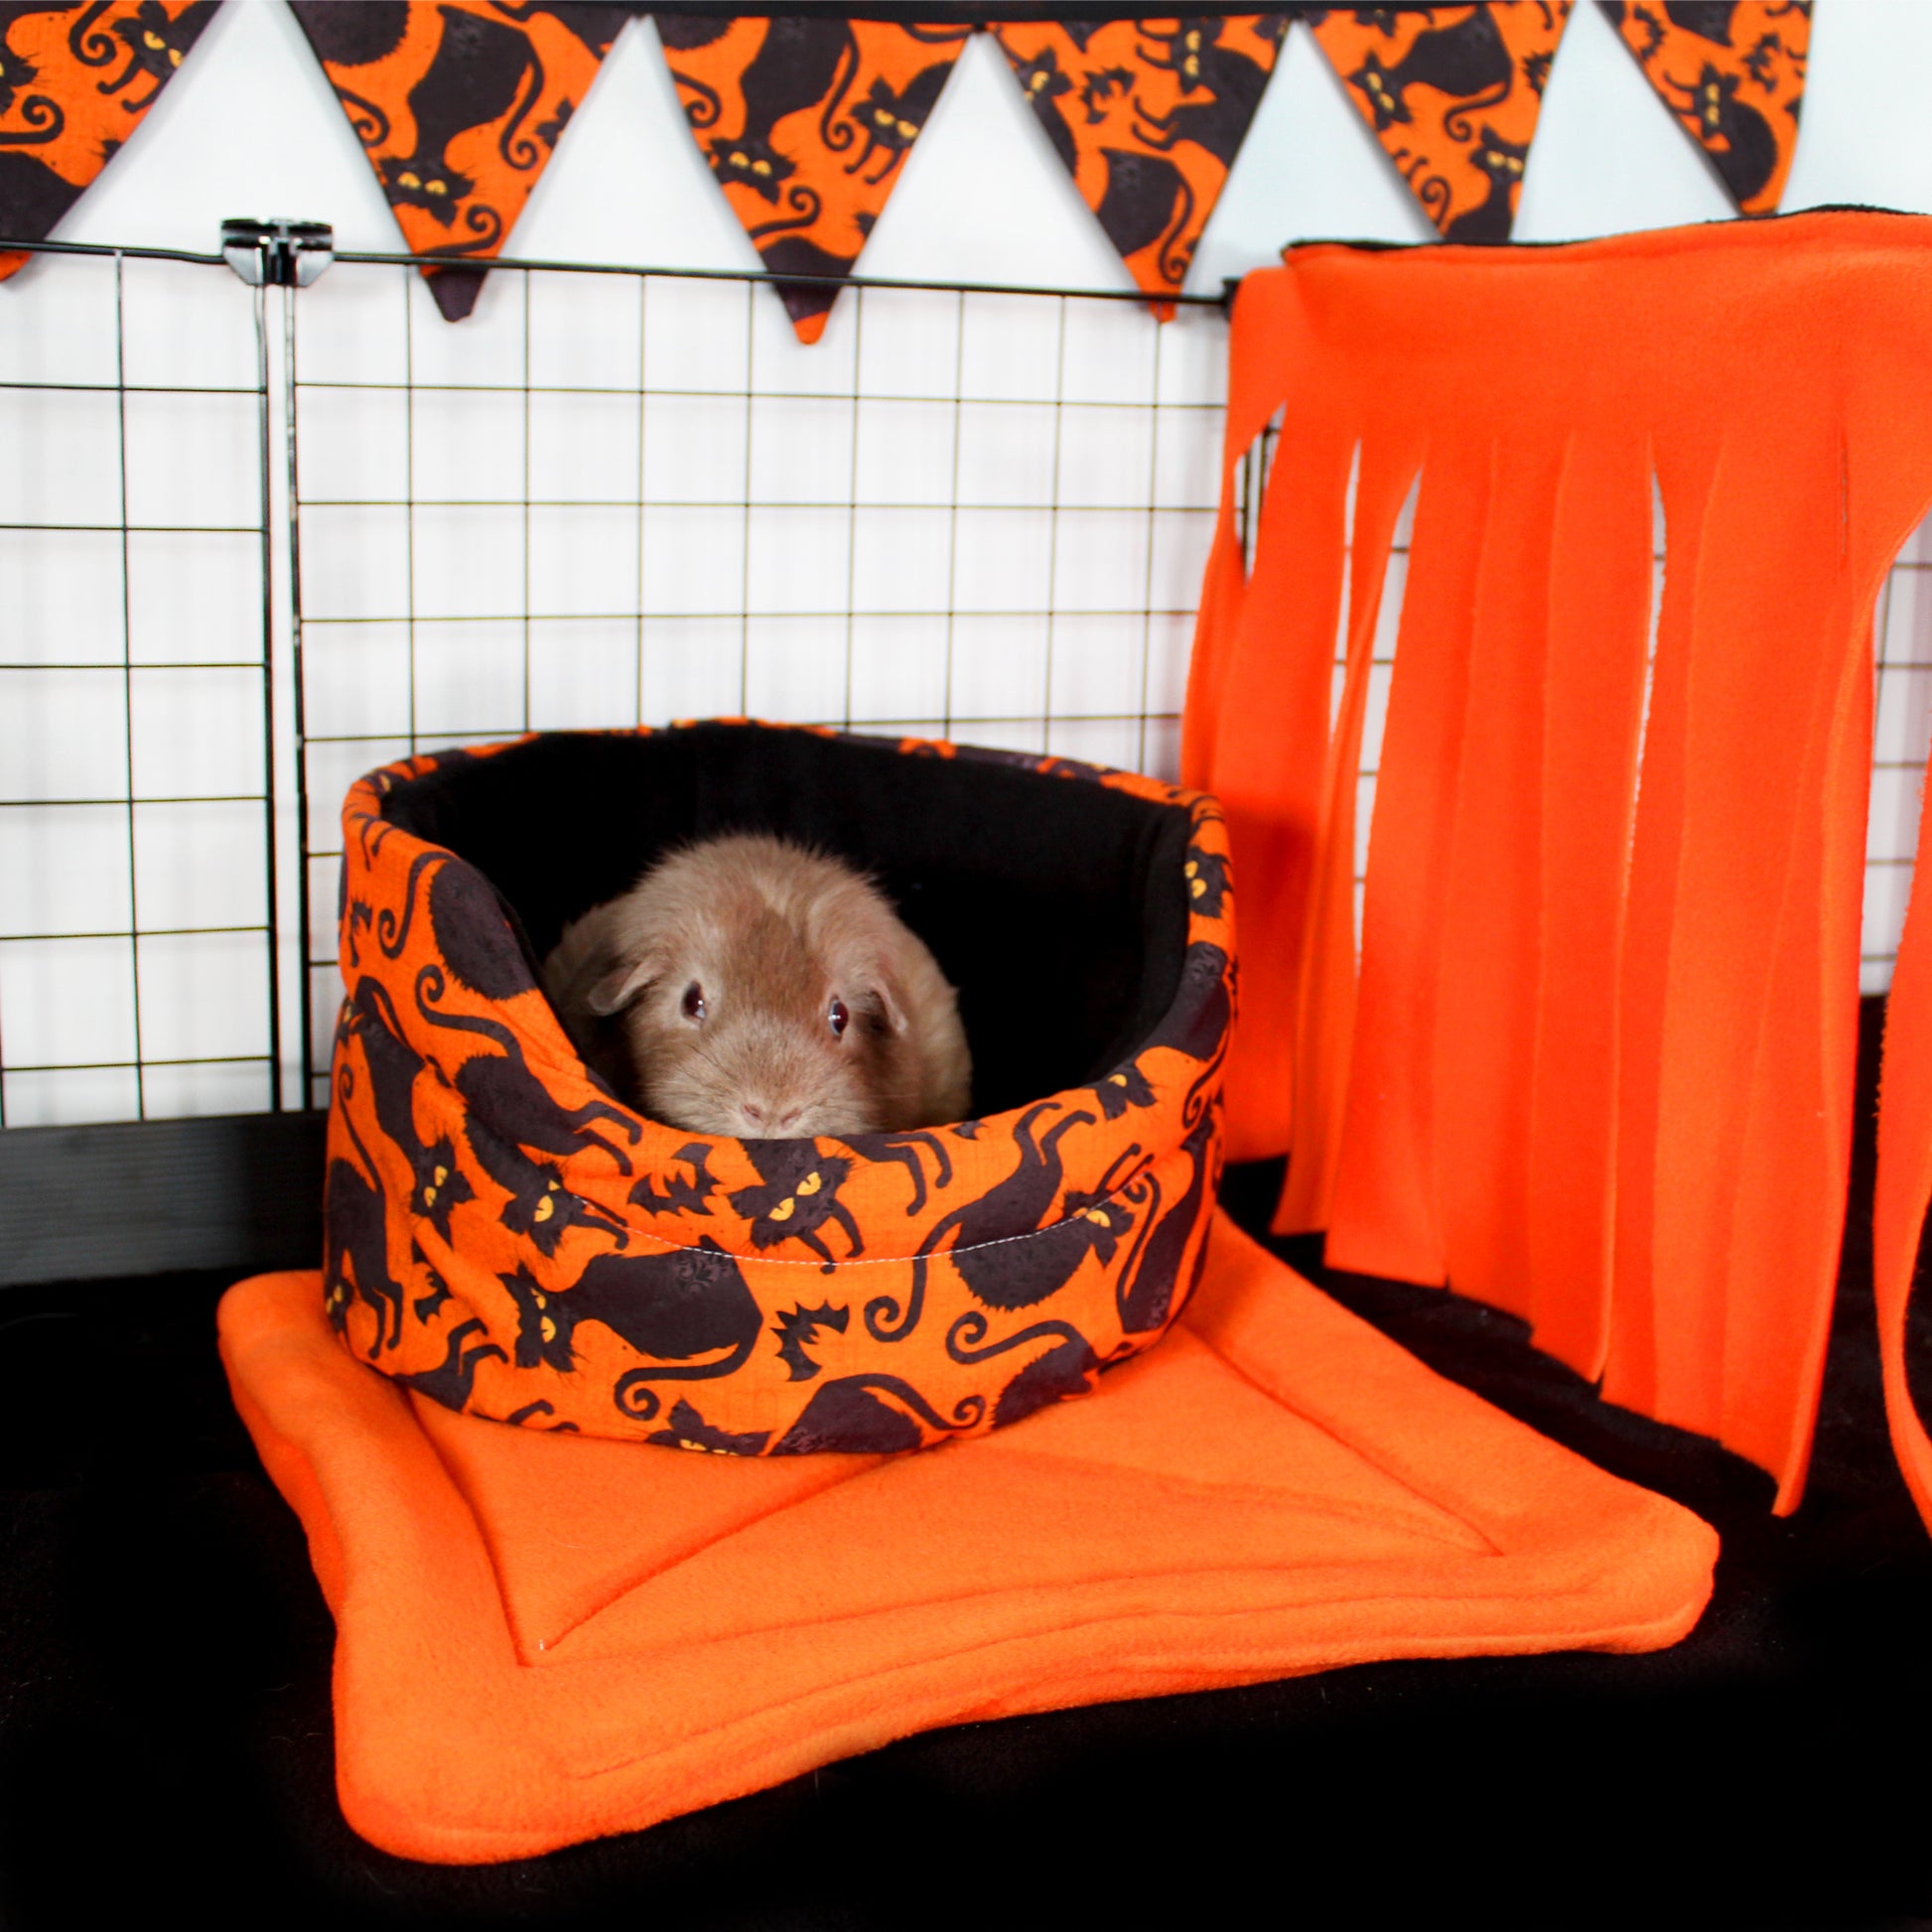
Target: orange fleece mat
<point>546,1639</point>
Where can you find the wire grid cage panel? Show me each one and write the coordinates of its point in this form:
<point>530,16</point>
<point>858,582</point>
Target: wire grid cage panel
<point>137,963</point>
<point>1902,744</point>
<point>139,403</point>
<point>626,497</point>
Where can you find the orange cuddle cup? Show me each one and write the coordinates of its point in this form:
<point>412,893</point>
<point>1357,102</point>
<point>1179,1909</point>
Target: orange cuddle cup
<point>506,1236</point>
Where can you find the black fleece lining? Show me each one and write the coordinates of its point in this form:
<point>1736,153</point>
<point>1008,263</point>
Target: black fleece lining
<point>1055,906</point>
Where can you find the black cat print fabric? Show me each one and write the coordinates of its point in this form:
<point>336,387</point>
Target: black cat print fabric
<point>506,1238</point>
<point>805,121</point>
<point>1148,116</point>
<point>1454,95</point>
<point>75,81</point>
<point>460,105</point>
<point>1732,71</point>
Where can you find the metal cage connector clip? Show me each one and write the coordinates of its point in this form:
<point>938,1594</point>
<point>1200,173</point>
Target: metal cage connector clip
<point>277,254</point>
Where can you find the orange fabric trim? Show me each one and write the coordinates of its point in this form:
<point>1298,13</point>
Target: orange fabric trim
<point>1597,1064</point>
<point>542,1638</point>
<point>1598,618</point>
<point>1385,1219</point>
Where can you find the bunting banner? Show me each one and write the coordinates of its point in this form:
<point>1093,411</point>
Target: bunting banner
<point>1453,94</point>
<point>75,81</point>
<point>805,120</point>
<point>460,107</point>
<point>1734,76</point>
<point>1148,115</point>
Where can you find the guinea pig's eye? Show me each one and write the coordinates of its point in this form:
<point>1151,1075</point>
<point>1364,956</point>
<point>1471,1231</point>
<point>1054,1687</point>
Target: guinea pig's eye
<point>838,1019</point>
<point>693,1006</point>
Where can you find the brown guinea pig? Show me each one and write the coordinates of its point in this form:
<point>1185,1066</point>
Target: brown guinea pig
<point>749,986</point>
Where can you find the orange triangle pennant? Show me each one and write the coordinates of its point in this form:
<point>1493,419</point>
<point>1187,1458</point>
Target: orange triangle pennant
<point>1148,115</point>
<point>458,105</point>
<point>805,119</point>
<point>1735,77</point>
<point>75,83</point>
<point>1454,94</point>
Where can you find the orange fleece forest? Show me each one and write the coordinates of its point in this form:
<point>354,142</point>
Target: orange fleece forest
<point>1596,1066</point>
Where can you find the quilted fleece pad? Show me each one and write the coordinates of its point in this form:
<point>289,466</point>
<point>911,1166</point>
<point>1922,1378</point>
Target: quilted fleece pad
<point>544,1638</point>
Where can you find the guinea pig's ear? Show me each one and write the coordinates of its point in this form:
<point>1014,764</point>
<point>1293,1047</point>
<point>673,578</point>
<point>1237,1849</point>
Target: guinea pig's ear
<point>611,991</point>
<point>881,1003</point>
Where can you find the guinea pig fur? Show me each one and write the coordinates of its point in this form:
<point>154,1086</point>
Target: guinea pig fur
<point>749,986</point>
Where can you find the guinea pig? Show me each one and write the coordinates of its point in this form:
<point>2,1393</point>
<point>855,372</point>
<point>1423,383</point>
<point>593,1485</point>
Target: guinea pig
<point>749,986</point>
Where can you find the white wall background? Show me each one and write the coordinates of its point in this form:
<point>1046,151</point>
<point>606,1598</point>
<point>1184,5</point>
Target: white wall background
<point>131,950</point>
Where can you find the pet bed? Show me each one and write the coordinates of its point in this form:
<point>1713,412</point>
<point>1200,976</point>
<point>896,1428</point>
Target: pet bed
<point>508,1238</point>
